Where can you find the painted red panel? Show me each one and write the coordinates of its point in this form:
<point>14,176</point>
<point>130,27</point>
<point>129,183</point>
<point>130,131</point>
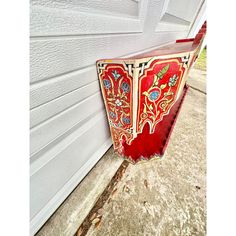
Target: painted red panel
<point>117,87</point>
<point>153,144</point>
<point>157,91</point>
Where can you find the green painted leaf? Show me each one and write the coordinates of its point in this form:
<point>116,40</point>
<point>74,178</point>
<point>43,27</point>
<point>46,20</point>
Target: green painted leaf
<point>163,71</point>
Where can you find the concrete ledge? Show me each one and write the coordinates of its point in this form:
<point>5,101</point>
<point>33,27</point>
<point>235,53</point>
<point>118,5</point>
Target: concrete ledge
<point>70,215</point>
<point>197,80</point>
<point>164,197</point>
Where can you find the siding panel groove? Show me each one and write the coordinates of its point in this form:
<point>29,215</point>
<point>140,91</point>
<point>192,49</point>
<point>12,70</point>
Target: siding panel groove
<point>58,124</point>
<point>54,107</point>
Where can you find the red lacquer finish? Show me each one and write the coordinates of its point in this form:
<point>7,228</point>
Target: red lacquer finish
<point>151,144</point>
<point>143,96</point>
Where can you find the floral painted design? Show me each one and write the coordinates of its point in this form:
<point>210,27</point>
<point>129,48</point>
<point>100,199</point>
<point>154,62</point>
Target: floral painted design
<point>158,96</point>
<point>116,75</point>
<point>153,95</point>
<point>172,80</point>
<point>117,93</point>
<point>112,114</point>
<point>126,120</point>
<point>106,83</point>
<point>125,87</point>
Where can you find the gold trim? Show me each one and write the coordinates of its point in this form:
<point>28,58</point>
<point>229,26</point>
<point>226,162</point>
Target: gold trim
<point>140,160</point>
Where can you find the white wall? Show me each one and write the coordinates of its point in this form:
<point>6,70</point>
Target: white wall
<point>185,9</point>
<point>69,131</point>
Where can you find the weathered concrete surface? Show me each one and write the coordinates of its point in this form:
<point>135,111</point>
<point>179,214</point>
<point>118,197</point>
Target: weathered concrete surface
<point>70,215</point>
<point>168,197</point>
<point>197,79</point>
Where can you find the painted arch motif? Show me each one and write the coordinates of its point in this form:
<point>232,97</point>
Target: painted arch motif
<point>155,89</point>
<point>117,91</point>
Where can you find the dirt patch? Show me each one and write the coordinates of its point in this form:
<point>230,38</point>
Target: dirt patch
<point>95,215</point>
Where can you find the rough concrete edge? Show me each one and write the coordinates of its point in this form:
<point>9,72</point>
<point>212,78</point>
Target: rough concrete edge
<point>73,211</point>
<point>197,80</point>
<point>95,215</point>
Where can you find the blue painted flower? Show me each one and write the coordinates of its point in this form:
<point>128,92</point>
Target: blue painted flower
<point>172,81</point>
<point>126,120</point>
<point>125,87</point>
<point>106,83</point>
<point>115,75</point>
<point>112,114</point>
<point>153,95</point>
